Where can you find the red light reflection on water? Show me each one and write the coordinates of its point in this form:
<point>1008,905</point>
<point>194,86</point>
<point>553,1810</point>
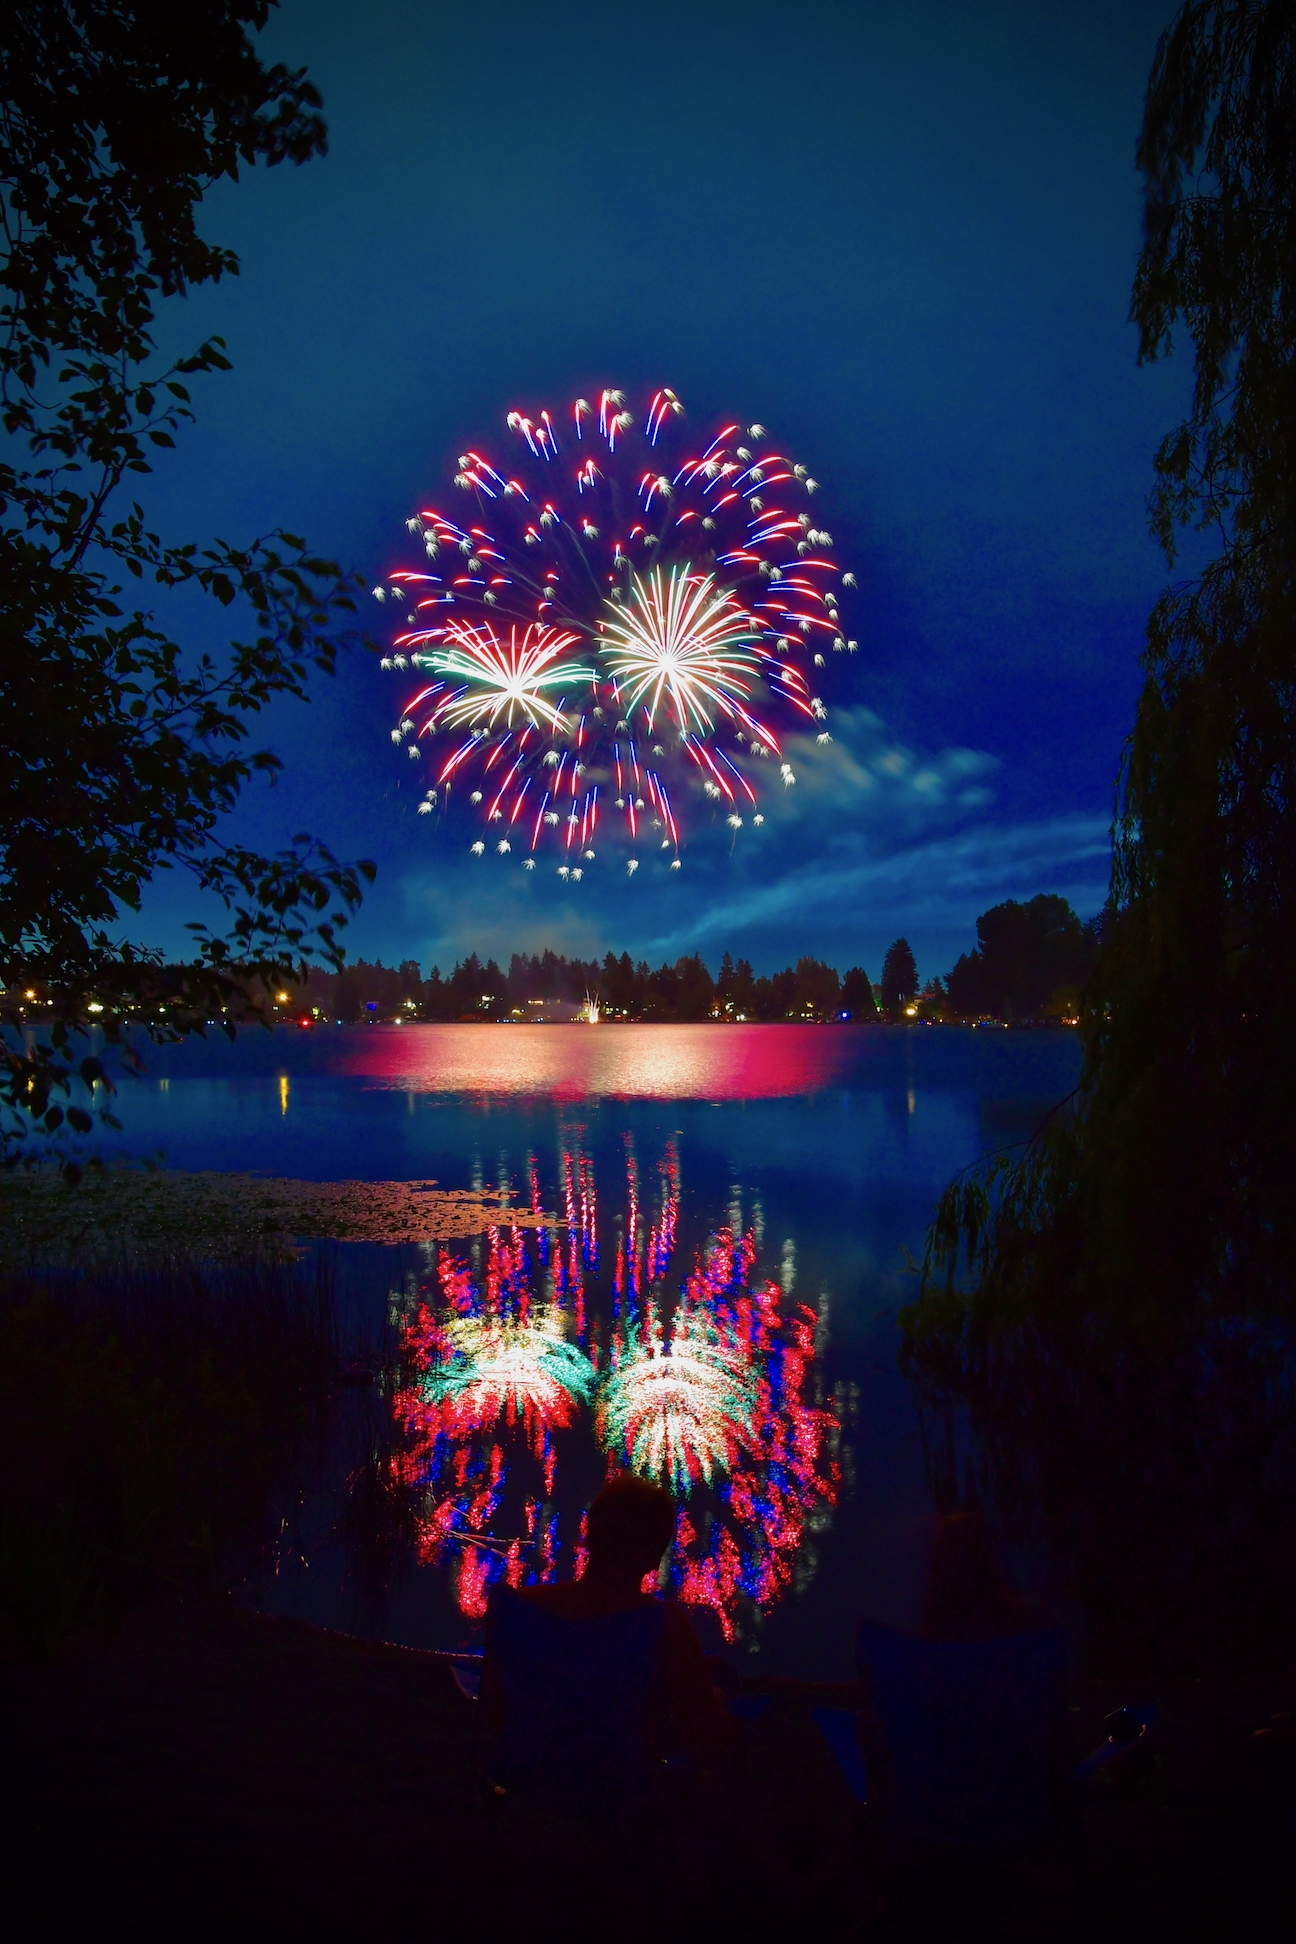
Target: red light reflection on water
<point>577,1062</point>
<point>711,1392</point>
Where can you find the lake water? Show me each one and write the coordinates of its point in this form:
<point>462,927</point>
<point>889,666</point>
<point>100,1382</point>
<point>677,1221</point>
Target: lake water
<point>737,1211</point>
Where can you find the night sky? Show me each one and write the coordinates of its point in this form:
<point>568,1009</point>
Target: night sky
<point>902,238</point>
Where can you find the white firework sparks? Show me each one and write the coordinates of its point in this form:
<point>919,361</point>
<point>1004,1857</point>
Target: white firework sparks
<point>682,639</point>
<point>501,683</point>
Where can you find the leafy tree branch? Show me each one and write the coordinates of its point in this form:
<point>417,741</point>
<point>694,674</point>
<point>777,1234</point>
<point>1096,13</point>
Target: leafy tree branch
<point>120,750</point>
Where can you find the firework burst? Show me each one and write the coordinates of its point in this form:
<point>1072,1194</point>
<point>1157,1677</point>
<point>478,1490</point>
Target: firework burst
<point>611,616</point>
<point>487,684</point>
<point>685,643</point>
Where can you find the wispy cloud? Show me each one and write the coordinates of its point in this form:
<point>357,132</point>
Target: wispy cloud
<point>872,838</point>
<point>471,912</point>
<point>939,883</point>
<point>866,777</point>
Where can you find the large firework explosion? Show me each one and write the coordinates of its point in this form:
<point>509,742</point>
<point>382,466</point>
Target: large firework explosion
<point>609,620</point>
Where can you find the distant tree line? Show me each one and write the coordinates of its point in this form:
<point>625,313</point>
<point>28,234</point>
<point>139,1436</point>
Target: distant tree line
<point>685,990</point>
<point>1030,962</point>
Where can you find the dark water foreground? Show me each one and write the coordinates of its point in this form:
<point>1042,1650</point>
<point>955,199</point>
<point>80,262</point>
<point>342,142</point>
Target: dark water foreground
<point>369,1436</point>
<point>214,1775</point>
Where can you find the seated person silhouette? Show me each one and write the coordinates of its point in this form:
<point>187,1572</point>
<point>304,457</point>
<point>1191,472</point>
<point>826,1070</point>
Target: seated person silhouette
<point>592,1685</point>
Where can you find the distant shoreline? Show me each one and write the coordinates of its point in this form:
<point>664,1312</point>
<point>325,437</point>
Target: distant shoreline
<point>870,1025</point>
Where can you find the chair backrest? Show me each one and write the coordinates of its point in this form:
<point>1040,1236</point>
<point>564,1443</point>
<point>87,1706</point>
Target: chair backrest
<point>972,1729</point>
<point>576,1696</point>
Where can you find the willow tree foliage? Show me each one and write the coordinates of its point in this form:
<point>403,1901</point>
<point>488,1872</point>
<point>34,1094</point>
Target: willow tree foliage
<point>1171,1184</point>
<point>1150,1227</point>
<point>120,752</point>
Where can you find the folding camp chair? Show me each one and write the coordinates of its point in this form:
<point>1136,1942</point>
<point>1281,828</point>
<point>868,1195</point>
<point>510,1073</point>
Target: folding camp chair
<point>576,1696</point>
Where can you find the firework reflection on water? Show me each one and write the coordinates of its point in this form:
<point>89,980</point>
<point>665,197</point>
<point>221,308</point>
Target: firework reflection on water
<point>518,1395</point>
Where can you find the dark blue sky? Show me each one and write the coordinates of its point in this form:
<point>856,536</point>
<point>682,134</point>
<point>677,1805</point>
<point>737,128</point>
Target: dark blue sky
<point>901,237</point>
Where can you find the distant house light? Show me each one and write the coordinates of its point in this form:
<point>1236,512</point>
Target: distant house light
<point>94,1006</point>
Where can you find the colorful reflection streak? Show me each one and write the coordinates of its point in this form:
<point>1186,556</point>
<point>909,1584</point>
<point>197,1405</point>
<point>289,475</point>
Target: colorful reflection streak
<point>680,1408</point>
<point>615,1062</point>
<point>710,1389</point>
<point>720,1401</point>
<point>486,1370</point>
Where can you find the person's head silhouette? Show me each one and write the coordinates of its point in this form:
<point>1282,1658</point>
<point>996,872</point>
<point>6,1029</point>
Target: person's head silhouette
<point>631,1523</point>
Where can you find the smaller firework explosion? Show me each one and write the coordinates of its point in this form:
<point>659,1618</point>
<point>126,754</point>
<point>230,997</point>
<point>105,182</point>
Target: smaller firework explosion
<point>487,684</point>
<point>684,644</point>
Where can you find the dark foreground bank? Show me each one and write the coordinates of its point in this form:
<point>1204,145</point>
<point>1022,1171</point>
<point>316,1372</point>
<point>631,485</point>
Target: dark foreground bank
<point>212,1774</point>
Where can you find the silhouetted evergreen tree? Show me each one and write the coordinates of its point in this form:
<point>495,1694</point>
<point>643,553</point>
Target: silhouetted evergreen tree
<point>784,986</point>
<point>899,977</point>
<point>817,989</point>
<point>696,991</point>
<point>857,996</point>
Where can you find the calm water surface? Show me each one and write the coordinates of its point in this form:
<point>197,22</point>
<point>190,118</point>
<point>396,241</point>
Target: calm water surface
<point>736,1211</point>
